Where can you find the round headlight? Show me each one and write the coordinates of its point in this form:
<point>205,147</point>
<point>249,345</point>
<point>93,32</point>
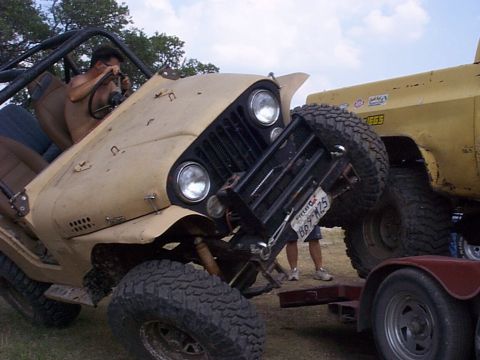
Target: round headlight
<point>264,107</point>
<point>193,182</point>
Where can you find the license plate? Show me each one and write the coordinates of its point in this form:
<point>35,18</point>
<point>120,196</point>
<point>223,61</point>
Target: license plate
<point>310,214</point>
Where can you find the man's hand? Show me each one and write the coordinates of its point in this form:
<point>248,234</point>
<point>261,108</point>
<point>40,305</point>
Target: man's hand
<point>115,69</point>
<point>125,84</point>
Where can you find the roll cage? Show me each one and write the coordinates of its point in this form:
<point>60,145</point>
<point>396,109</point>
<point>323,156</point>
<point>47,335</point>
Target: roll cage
<point>18,77</point>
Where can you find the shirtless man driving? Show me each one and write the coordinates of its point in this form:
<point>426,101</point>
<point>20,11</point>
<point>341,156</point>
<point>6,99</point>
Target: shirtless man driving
<point>104,60</point>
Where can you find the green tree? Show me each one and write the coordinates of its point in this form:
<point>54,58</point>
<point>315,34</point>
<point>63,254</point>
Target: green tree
<point>76,14</point>
<point>22,25</point>
<point>193,66</point>
<point>161,50</point>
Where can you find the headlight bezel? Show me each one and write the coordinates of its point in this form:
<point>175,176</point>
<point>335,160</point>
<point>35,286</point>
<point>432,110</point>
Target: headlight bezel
<point>253,97</point>
<point>178,173</point>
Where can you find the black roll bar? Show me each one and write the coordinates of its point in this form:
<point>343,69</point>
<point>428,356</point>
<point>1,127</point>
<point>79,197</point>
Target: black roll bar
<point>63,45</point>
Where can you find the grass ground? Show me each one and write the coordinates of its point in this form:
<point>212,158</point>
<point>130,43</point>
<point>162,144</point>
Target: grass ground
<point>303,333</point>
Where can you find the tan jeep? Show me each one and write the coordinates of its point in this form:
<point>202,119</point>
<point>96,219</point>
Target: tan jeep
<point>430,124</point>
<point>186,175</point>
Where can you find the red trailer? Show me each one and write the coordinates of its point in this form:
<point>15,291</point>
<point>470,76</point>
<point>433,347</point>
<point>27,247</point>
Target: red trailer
<point>419,308</point>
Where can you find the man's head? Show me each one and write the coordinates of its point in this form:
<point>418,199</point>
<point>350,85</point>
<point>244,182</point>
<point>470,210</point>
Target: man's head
<point>105,55</point>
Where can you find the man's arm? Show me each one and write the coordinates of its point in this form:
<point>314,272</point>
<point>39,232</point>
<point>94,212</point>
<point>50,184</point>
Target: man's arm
<point>80,86</point>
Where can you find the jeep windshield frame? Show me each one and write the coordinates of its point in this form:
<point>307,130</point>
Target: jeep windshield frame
<point>62,45</point>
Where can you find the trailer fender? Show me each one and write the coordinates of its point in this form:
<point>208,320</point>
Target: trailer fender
<point>459,277</point>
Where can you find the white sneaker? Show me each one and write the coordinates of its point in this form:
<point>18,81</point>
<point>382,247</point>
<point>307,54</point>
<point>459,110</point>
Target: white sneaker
<point>322,274</point>
<point>294,275</point>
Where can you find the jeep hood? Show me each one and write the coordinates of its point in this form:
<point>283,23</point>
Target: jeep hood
<point>104,179</point>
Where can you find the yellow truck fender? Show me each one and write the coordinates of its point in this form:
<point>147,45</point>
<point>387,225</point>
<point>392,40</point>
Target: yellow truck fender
<point>431,165</point>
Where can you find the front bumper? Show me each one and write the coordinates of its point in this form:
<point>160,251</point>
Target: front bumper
<point>272,191</point>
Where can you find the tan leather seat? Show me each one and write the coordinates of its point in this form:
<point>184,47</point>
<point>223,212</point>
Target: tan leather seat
<point>48,95</point>
<point>18,166</point>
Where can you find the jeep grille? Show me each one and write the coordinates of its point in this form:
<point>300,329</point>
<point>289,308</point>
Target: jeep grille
<point>230,146</point>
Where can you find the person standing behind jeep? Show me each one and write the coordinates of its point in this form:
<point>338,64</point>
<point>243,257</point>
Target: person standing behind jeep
<point>104,59</point>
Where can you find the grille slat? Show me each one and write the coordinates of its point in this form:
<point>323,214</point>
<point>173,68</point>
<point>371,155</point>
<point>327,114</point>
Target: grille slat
<point>215,153</point>
<point>234,161</point>
<point>209,164</point>
<point>252,142</point>
<point>238,149</point>
<point>230,146</point>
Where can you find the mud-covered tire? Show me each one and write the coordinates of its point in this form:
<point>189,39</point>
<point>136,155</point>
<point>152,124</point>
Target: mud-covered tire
<point>162,308</point>
<point>365,150</point>
<point>415,318</point>
<point>409,219</point>
<point>26,296</point>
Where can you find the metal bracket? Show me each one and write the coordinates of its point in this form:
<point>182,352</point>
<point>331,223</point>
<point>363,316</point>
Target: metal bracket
<point>273,282</point>
<point>264,251</point>
<point>115,220</point>
<point>19,202</point>
<point>69,294</point>
<point>150,198</point>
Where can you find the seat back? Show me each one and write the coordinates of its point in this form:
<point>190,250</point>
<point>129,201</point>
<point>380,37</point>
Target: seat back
<point>48,94</point>
<point>20,125</point>
<point>18,166</point>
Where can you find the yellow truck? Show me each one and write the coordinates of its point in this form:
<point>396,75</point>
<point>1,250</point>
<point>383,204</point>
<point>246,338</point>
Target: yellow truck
<point>430,125</point>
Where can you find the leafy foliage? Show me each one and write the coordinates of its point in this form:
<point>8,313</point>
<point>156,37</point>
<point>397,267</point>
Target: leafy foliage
<point>24,23</point>
<point>161,50</point>
<point>75,14</point>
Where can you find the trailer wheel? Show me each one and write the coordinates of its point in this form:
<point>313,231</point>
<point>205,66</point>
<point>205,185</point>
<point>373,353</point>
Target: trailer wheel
<point>168,310</point>
<point>409,219</point>
<point>415,318</point>
<point>26,296</point>
<point>365,151</point>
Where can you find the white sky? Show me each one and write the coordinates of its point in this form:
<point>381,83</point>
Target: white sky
<point>339,43</point>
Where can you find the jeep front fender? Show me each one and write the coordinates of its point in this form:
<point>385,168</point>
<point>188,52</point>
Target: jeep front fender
<point>139,231</point>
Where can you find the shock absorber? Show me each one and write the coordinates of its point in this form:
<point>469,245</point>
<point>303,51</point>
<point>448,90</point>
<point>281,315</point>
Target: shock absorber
<point>206,257</point>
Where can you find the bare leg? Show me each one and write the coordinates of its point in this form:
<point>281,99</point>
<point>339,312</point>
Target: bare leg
<point>292,254</point>
<point>315,253</point>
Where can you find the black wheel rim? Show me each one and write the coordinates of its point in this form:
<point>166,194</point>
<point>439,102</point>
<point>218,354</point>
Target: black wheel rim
<point>382,232</point>
<point>167,342</point>
<point>409,327</point>
<point>16,299</point>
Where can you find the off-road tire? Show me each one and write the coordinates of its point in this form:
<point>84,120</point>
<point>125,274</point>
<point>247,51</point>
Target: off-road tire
<point>26,296</point>
<point>365,150</point>
<point>191,302</point>
<point>409,219</point>
<point>415,318</point>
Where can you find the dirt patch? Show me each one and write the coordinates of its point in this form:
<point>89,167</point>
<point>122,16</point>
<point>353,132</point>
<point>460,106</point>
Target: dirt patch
<point>304,333</point>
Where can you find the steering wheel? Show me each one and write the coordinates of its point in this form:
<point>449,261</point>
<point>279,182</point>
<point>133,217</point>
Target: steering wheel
<point>115,98</point>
